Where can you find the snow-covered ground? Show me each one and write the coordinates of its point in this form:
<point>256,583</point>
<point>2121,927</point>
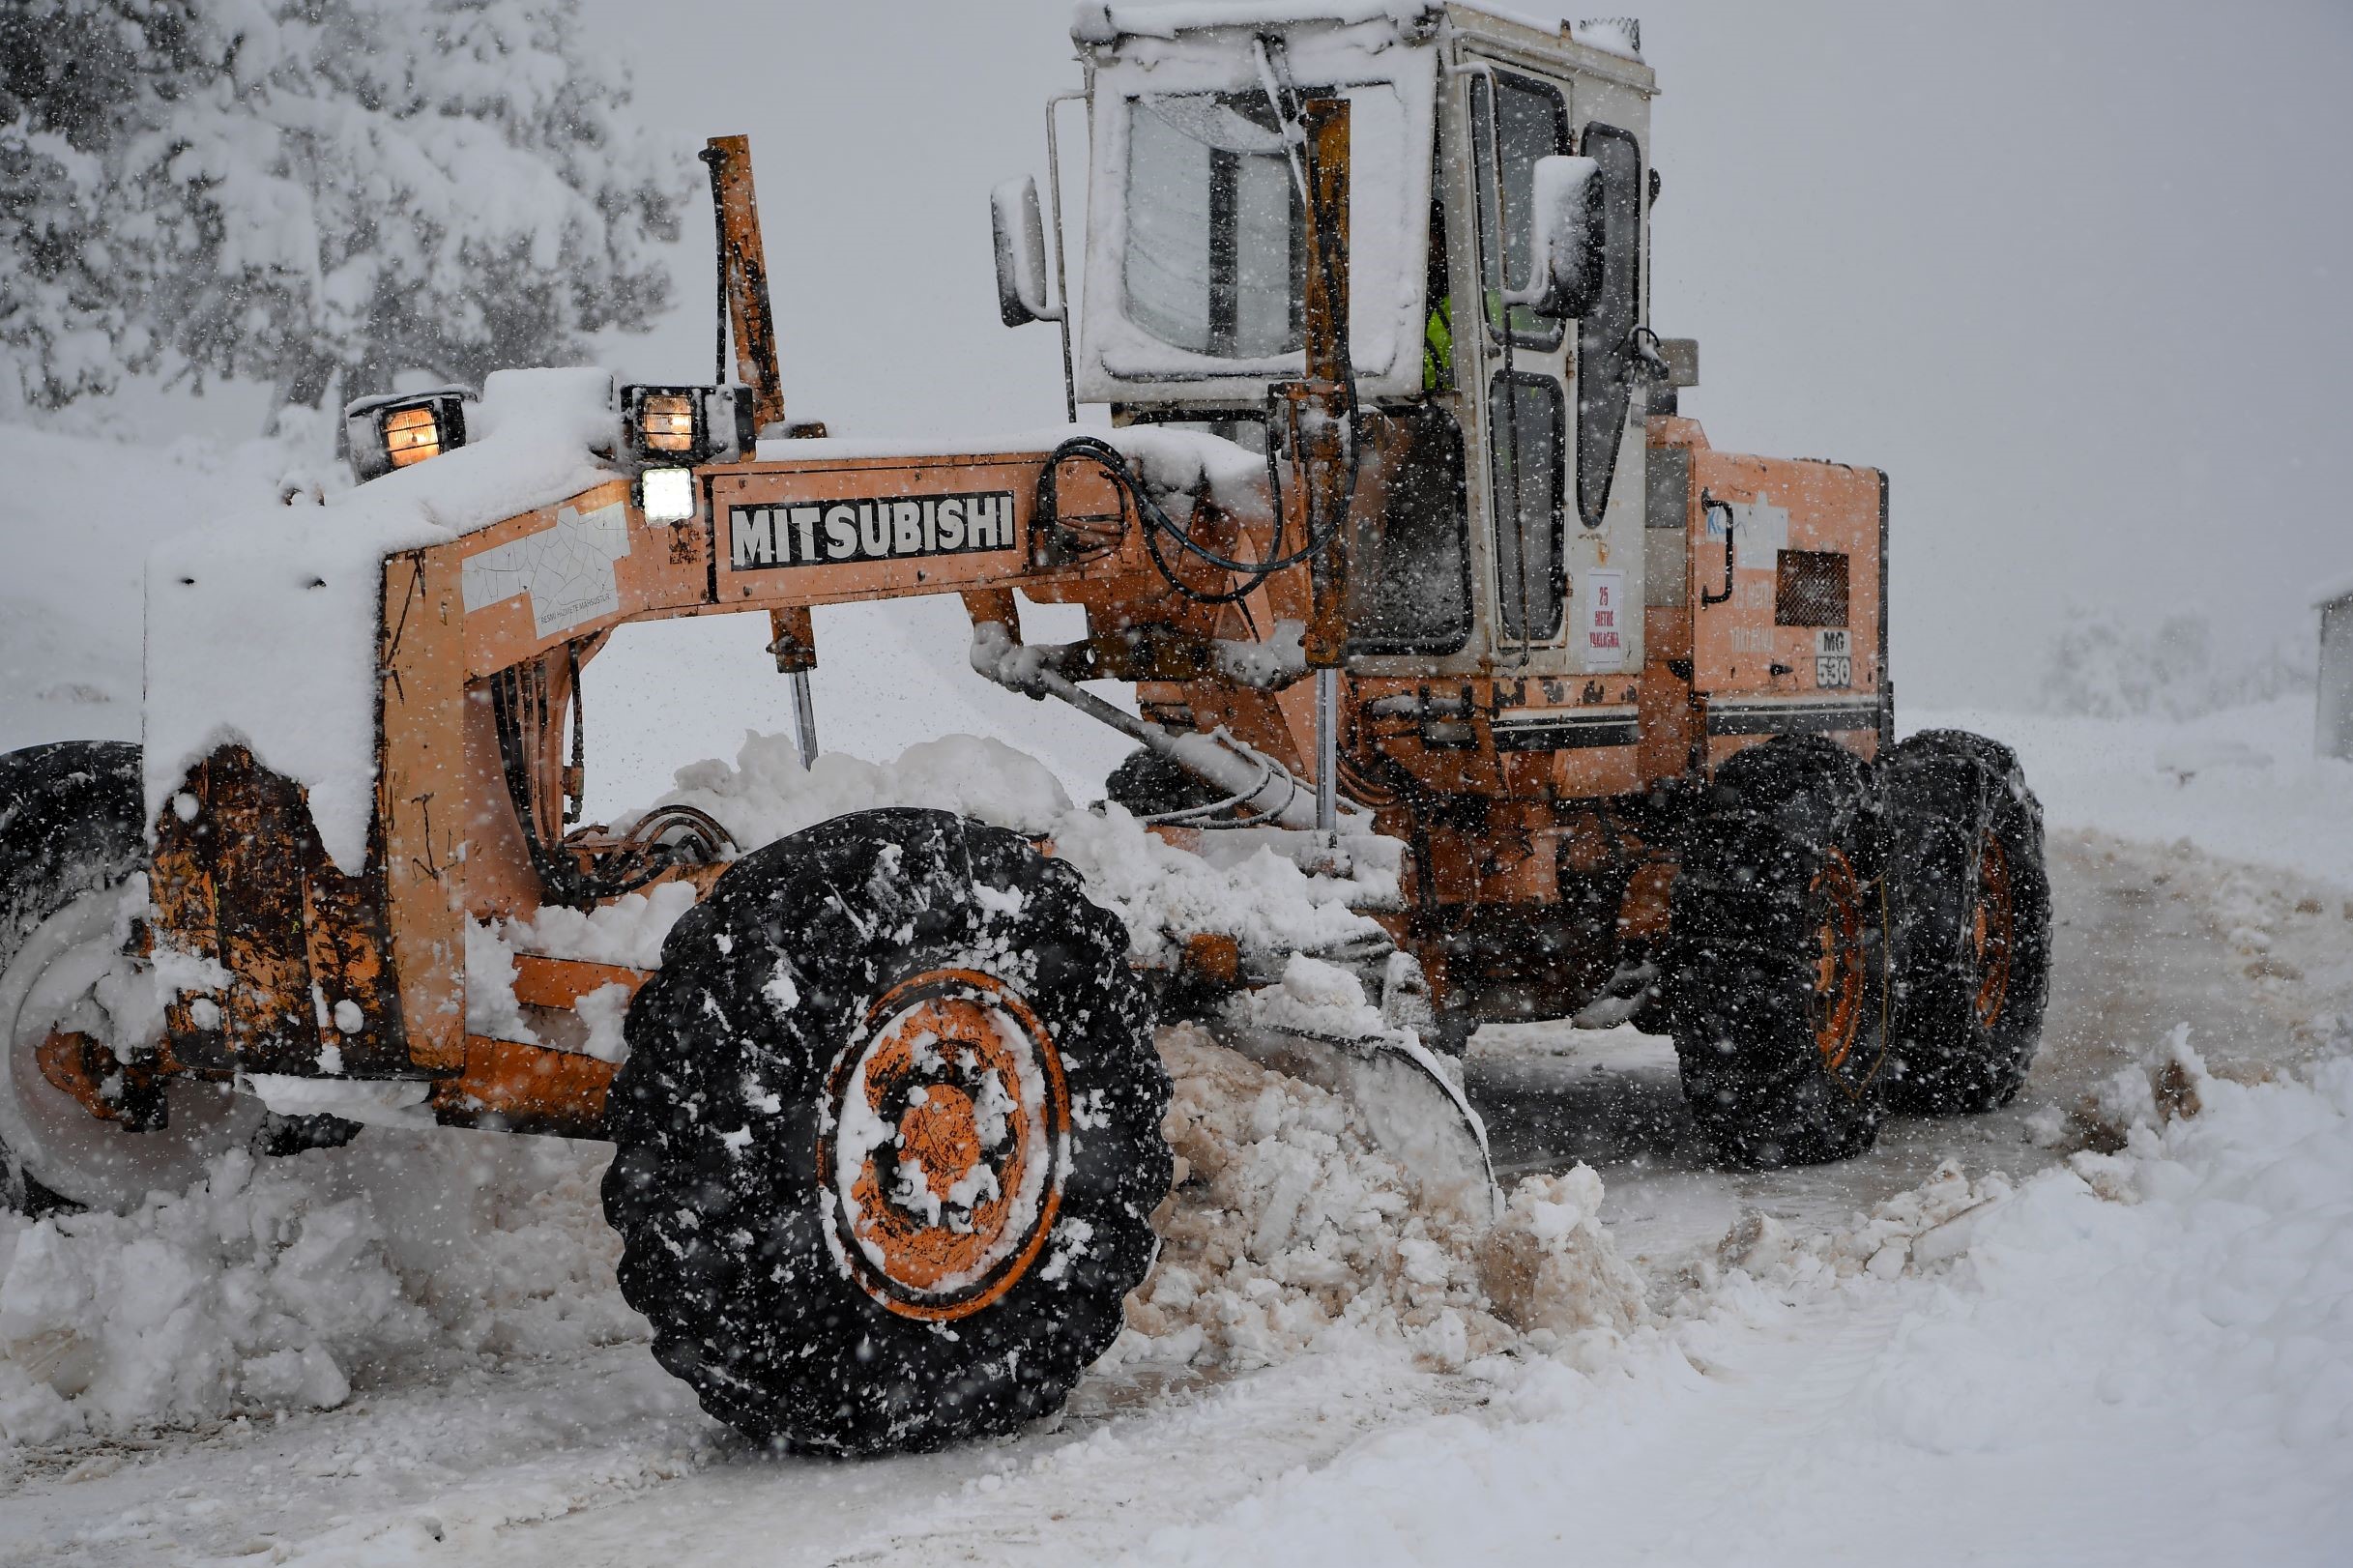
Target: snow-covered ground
<point>2117,1328</point>
<point>2242,783</point>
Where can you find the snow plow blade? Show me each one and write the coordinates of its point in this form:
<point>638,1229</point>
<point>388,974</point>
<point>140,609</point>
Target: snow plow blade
<point>1414,1111</point>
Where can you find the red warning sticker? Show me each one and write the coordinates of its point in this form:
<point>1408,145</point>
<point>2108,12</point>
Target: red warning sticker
<point>1604,621</point>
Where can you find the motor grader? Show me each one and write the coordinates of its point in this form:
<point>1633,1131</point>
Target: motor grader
<point>1402,546</point>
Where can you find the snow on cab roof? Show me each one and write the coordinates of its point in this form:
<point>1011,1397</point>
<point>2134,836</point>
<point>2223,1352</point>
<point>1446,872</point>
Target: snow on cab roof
<point>261,628</point>
<point>1097,21</point>
<point>1100,23</point>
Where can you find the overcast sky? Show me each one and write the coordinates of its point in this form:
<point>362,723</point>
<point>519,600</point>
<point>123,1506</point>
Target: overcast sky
<point>2074,275</point>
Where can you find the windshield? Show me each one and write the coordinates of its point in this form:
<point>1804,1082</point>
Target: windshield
<point>1217,242</point>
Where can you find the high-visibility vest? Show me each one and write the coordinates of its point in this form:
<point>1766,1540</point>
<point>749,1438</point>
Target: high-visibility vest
<point>1438,345</point>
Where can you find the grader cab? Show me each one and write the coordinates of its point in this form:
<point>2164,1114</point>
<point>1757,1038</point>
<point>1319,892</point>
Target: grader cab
<point>1418,578</point>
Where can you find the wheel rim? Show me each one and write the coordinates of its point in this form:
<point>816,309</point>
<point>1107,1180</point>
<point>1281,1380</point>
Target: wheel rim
<point>1837,896</point>
<point>51,984</point>
<point>1992,931</point>
<point>947,1144</point>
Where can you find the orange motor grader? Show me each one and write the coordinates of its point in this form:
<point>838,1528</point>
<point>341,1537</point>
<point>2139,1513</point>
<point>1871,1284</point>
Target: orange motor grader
<point>1399,538</point>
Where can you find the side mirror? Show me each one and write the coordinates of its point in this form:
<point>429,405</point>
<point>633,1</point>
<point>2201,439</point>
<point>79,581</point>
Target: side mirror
<point>1021,253</point>
<point>1566,196</point>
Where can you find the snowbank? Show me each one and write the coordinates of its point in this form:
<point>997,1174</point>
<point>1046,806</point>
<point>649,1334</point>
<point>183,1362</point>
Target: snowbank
<point>262,628</point>
<point>285,1283</point>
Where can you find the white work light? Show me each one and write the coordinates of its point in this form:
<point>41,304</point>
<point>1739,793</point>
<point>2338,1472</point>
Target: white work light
<point>667,494</point>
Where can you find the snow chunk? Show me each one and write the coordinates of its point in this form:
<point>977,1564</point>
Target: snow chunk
<point>372,1103</point>
<point>628,931</point>
<point>261,628</point>
<point>1170,462</point>
<point>604,1009</point>
<point>1313,998</point>
<point>1548,1266</point>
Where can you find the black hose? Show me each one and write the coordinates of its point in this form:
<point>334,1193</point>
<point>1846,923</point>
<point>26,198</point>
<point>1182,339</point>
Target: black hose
<point>1157,522</point>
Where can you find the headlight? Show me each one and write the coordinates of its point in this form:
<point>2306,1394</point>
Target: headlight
<point>666,495</point>
<point>401,428</point>
<point>669,427</point>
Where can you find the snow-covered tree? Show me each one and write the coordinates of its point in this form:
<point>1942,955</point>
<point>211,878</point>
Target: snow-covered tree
<point>2174,669</point>
<point>320,194</point>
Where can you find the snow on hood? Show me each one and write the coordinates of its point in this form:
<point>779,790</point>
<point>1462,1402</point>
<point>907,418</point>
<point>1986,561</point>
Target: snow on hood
<point>261,628</point>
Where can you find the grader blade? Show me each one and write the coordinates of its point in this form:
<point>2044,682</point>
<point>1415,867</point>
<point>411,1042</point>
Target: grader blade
<point>1412,1109</point>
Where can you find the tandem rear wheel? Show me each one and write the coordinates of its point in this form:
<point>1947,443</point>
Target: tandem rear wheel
<point>1847,938</point>
<point>1971,923</point>
<point>1776,973</point>
<point>888,1137</point>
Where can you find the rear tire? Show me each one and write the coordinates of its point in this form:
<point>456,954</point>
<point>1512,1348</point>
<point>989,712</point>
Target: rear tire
<point>888,1137</point>
<point>1972,924</point>
<point>70,839</point>
<point>1775,971</point>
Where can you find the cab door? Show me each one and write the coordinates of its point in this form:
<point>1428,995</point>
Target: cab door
<point>1558,399</point>
<point>1525,363</point>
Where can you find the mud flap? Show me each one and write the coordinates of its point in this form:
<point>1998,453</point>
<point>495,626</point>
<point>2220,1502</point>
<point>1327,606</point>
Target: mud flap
<point>1412,1109</point>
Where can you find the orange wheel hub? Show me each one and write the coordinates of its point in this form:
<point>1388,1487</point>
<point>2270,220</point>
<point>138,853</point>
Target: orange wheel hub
<point>1838,960</point>
<point>1992,932</point>
<point>946,1146</point>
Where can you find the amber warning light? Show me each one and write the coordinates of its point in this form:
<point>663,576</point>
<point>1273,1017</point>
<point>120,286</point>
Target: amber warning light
<point>667,421</point>
<point>403,430</point>
<point>685,425</point>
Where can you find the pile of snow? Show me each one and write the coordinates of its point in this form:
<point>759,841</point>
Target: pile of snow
<point>1163,893</point>
<point>767,794</point>
<point>262,628</point>
<point>284,1284</point>
<point>1289,1226</point>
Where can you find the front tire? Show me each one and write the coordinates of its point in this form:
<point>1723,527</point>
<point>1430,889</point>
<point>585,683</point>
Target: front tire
<point>1776,971</point>
<point>888,1137</point>
<point>1972,937</point>
<point>71,842</point>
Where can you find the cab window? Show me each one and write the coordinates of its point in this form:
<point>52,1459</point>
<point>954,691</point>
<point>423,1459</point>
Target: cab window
<point>1216,247</point>
<point>1409,570</point>
<point>1605,358</point>
<point>1512,125</point>
<point>1526,428</point>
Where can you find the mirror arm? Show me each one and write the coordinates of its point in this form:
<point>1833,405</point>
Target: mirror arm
<point>1061,267</point>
